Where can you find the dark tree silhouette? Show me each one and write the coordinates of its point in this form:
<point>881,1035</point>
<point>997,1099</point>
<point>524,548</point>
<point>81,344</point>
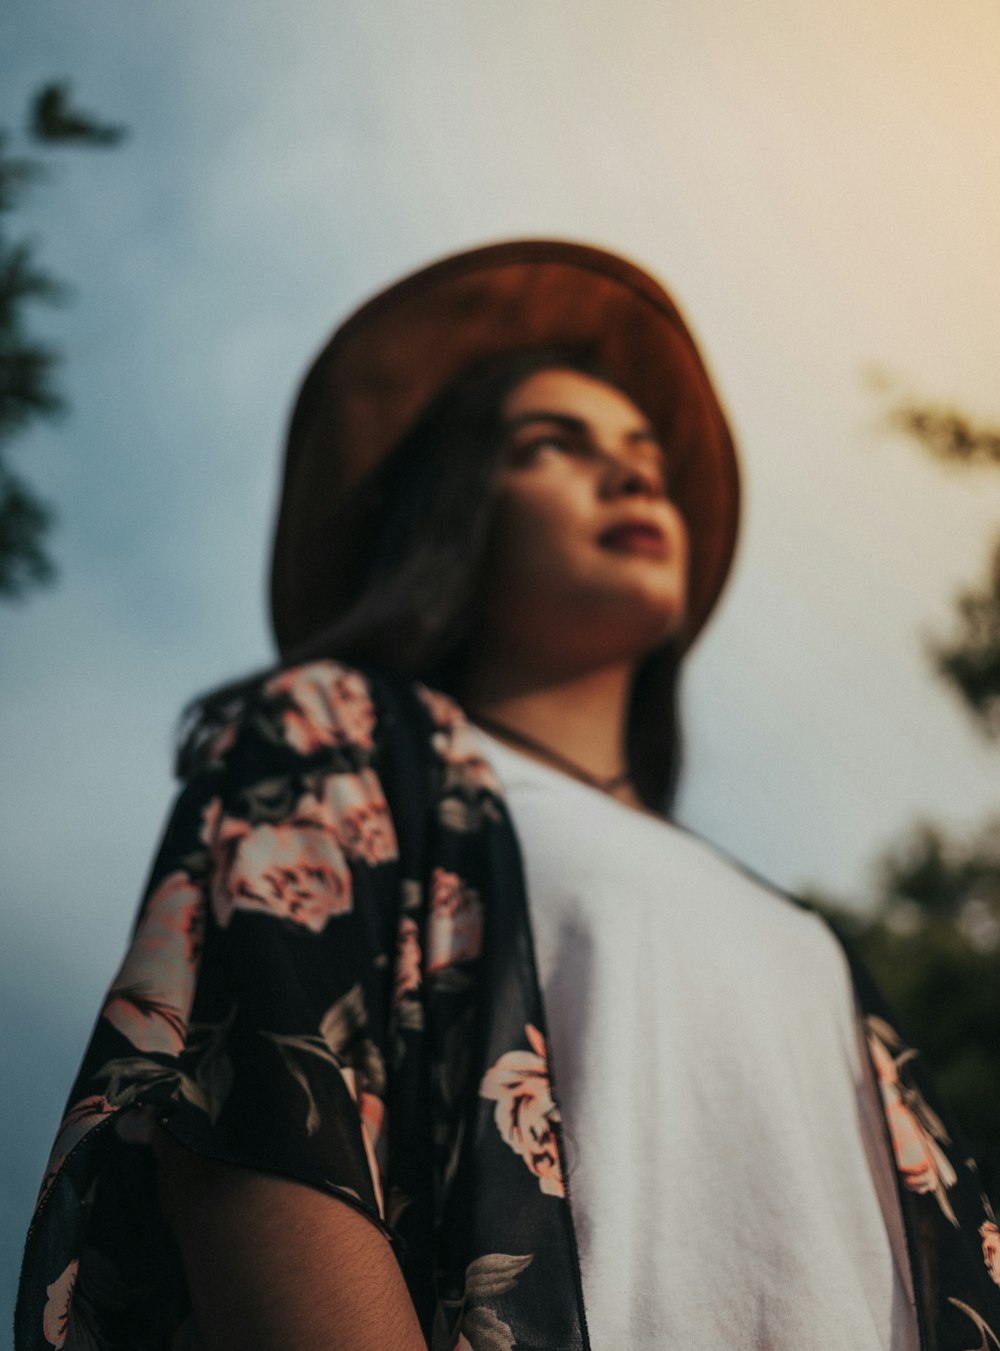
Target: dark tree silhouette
<point>28,389</point>
<point>933,942</point>
<point>971,660</point>
<point>53,118</point>
<point>932,937</point>
<point>947,433</point>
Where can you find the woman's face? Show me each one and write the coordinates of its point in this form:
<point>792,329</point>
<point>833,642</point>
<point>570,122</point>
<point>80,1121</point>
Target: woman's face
<point>587,561</point>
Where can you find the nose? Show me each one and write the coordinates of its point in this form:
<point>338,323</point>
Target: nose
<point>624,478</point>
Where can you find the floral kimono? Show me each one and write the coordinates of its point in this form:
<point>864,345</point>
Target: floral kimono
<point>332,979</point>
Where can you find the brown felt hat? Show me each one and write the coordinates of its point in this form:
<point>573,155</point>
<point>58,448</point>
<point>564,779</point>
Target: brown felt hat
<point>386,362</point>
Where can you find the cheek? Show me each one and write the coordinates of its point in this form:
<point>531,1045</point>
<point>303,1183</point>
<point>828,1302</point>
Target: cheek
<point>534,534</point>
<point>683,543</point>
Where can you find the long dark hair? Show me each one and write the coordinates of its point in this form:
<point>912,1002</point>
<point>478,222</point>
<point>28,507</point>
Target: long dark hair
<point>417,578</point>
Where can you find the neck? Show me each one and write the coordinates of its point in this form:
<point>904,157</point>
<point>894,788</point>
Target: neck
<point>580,715</point>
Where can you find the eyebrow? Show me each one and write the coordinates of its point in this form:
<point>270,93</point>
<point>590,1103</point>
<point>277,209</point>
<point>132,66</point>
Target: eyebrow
<point>574,424</point>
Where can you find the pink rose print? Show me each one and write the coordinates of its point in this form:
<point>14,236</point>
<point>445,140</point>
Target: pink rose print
<point>355,809</point>
<point>915,1130</point>
<point>55,1319</point>
<point>990,1235</point>
<point>295,870</point>
<point>80,1118</point>
<point>407,960</point>
<point>444,711</point>
<point>328,705</point>
<point>455,924</point>
<point>150,999</point>
<point>525,1111</point>
<point>455,742</point>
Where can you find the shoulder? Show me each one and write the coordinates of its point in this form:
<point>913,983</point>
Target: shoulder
<point>297,712</point>
<point>335,716</point>
<point>319,704</point>
<point>330,704</point>
<point>790,922</point>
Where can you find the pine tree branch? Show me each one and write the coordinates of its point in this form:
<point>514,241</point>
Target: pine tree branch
<point>53,118</point>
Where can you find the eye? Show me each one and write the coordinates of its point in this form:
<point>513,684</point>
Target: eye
<point>528,448</point>
<point>551,441</point>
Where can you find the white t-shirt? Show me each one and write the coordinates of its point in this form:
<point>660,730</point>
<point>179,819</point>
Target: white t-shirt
<point>729,1179</point>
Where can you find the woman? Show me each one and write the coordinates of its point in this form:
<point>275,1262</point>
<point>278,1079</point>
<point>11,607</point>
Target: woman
<point>402,979</point>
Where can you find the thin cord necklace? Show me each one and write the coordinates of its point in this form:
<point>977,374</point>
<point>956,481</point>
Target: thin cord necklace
<point>529,743</point>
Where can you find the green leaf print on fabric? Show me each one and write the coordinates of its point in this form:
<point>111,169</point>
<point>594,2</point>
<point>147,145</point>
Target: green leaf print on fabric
<point>476,1326</point>
<point>343,1044</point>
<point>983,1328</point>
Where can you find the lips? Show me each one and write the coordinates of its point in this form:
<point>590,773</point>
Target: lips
<point>635,537</point>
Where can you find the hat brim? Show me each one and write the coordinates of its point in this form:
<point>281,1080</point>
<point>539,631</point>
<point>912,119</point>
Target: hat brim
<point>385,363</point>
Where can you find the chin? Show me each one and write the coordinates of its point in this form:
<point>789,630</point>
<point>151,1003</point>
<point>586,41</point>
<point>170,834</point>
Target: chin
<point>631,636</point>
<point>658,625</point>
<point>663,634</point>
<point>657,615</point>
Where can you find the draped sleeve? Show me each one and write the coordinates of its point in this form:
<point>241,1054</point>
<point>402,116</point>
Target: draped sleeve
<point>331,979</point>
<point>255,1014</point>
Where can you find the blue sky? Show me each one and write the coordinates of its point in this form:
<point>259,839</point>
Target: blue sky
<point>816,186</point>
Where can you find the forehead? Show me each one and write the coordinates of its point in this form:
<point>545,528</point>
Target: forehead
<point>562,390</point>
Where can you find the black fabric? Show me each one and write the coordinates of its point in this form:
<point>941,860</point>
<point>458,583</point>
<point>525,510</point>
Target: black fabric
<point>332,979</point>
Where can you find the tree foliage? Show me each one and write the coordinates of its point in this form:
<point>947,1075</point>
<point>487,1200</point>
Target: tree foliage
<point>28,386</point>
<point>932,941</point>
<point>53,118</point>
<point>970,660</point>
<point>947,433</point>
<point>932,937</point>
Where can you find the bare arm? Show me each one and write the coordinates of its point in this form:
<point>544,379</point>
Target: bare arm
<point>274,1265</point>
